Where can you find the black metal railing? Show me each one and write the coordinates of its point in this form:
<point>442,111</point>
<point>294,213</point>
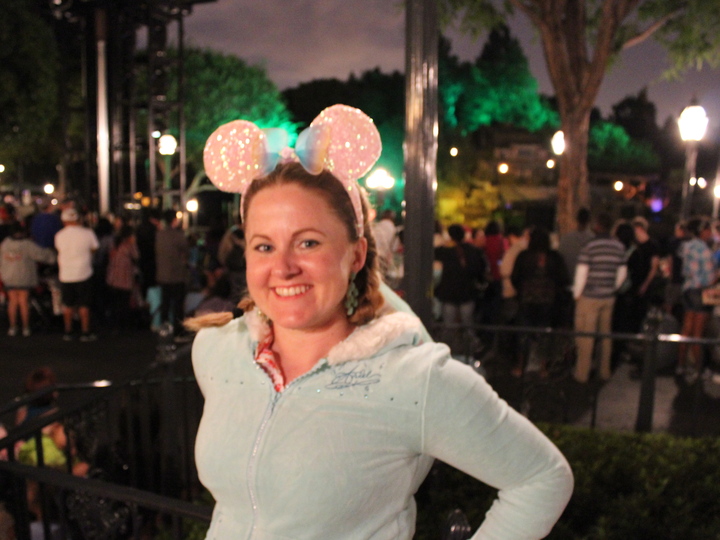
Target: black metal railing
<point>550,393</point>
<point>136,439</point>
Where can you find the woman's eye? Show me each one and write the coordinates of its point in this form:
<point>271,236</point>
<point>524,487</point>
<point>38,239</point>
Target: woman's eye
<point>309,243</point>
<point>262,248</point>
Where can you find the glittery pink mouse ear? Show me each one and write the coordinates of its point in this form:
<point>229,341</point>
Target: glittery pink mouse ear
<point>351,141</point>
<point>346,142</point>
<point>235,154</point>
<point>342,140</point>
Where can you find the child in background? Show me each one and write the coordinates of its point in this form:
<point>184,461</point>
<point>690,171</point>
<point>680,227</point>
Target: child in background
<point>54,438</point>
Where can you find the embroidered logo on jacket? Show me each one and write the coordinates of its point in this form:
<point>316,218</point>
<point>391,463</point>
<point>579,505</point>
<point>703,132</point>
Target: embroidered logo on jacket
<point>358,374</point>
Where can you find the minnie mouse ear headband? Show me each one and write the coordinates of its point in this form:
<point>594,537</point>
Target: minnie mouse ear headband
<point>342,140</point>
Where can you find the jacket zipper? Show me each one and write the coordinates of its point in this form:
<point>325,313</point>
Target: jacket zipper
<point>252,466</point>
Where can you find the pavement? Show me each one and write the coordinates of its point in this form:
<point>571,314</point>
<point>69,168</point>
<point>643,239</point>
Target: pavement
<point>680,407</point>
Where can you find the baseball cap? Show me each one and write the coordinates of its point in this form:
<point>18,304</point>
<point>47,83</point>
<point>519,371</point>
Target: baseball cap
<point>69,214</point>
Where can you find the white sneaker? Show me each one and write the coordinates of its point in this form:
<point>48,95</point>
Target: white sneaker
<point>12,331</point>
<point>26,332</point>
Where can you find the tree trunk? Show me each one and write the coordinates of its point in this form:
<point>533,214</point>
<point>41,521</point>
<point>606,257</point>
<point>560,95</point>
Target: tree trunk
<point>576,73</point>
<point>573,185</point>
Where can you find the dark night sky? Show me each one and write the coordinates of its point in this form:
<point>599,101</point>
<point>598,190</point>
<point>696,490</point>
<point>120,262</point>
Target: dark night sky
<point>301,40</point>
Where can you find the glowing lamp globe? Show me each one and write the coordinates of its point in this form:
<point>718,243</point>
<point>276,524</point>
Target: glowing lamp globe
<point>693,123</point>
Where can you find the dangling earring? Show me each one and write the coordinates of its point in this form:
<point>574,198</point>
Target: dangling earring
<point>351,299</point>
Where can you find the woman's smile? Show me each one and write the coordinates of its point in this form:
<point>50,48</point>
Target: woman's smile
<point>296,290</point>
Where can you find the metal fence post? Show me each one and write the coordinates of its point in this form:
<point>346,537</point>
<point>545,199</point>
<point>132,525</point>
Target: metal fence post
<point>646,404</point>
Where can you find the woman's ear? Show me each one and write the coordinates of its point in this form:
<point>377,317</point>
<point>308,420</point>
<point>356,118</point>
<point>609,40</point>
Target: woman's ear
<point>359,254</point>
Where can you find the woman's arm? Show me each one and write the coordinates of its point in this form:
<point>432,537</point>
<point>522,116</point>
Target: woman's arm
<point>654,264</point>
<point>469,427</point>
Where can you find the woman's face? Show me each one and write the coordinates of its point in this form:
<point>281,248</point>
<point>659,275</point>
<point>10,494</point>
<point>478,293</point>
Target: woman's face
<point>299,258</point>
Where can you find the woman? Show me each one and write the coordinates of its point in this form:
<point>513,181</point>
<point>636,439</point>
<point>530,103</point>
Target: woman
<point>122,275</point>
<point>324,409</point>
<point>540,277</point>
<point>463,270</point>
<point>698,271</point>
<point>18,270</point>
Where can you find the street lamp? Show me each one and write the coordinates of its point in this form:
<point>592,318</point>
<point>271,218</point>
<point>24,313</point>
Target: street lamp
<point>191,206</point>
<point>558,143</point>
<point>692,123</point>
<point>380,179</point>
<point>167,144</point>
<point>378,182</point>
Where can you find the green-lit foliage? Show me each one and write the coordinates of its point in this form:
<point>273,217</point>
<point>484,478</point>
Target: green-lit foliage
<point>611,149</point>
<point>28,84</point>
<point>220,88</point>
<point>513,88</point>
<point>497,88</point>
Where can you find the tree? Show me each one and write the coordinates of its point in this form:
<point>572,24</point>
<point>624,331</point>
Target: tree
<point>580,39</point>
<point>611,149</point>
<point>497,89</point>
<point>220,88</point>
<point>637,115</point>
<point>28,84</point>
<point>513,88</point>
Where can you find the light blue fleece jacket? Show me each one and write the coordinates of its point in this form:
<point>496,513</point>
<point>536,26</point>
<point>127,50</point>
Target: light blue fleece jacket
<point>341,451</point>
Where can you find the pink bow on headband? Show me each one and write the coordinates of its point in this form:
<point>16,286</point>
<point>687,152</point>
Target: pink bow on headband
<point>341,139</point>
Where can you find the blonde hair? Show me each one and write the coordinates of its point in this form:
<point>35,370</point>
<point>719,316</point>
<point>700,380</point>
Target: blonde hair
<point>367,280</point>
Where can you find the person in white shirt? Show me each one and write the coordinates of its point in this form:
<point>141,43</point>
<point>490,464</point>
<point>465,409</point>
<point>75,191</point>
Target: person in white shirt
<point>75,245</point>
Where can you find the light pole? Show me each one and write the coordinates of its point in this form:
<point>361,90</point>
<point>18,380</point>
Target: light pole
<point>167,144</point>
<point>693,123</point>
<point>716,191</point>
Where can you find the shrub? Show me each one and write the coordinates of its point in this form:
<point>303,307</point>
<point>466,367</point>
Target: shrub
<point>627,486</point>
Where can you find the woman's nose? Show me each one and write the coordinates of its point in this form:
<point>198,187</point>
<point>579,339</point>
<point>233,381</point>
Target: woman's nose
<point>285,265</point>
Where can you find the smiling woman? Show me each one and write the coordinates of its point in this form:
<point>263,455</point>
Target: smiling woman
<point>325,407</point>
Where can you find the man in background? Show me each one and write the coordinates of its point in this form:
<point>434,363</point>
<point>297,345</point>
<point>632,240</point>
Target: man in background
<point>75,245</point>
<point>171,269</point>
<point>600,270</point>
<point>572,242</point>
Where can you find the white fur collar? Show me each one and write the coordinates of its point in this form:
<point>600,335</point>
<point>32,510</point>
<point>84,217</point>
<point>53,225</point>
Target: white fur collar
<point>365,340</point>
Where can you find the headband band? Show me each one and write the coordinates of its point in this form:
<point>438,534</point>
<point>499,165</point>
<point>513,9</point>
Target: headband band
<point>342,140</point>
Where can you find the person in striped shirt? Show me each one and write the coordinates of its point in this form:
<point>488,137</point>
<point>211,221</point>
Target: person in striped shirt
<point>599,272</point>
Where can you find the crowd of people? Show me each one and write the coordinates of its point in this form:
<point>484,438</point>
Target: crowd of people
<point>114,273</point>
<point>603,277</point>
